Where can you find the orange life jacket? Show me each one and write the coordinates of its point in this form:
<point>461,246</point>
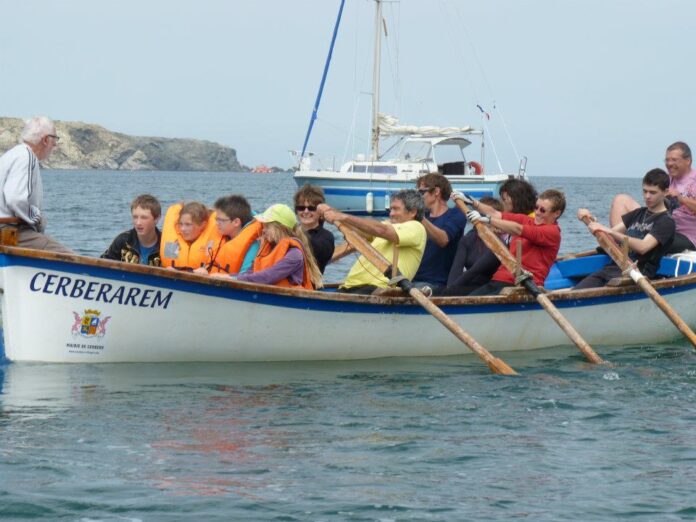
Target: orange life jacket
<point>227,256</point>
<point>269,256</point>
<point>176,251</point>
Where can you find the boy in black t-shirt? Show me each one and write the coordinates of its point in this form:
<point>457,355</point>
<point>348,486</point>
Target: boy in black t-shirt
<point>649,231</point>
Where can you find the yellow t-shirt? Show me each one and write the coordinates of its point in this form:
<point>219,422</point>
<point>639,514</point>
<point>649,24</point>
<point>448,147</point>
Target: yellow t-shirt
<point>411,245</point>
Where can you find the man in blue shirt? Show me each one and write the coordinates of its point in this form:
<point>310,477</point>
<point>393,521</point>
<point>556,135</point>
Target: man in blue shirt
<point>444,227</point>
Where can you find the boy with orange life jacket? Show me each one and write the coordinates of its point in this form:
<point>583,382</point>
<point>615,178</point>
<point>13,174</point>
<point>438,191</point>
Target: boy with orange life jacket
<point>188,234</point>
<point>285,258</point>
<point>239,241</point>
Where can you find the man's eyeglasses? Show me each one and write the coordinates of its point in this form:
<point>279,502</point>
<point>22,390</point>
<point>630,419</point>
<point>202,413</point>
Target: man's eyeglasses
<point>222,221</point>
<point>424,190</point>
<point>53,136</point>
<point>307,208</point>
<point>540,209</point>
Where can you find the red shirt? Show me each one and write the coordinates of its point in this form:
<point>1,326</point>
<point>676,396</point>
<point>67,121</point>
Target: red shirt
<point>540,245</point>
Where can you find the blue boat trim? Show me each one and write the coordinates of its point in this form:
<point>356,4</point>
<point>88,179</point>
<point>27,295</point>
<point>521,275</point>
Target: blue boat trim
<point>306,303</point>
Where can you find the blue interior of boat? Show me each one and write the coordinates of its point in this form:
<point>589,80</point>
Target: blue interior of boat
<point>566,273</point>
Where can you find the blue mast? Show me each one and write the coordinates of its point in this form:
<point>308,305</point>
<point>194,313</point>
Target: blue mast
<point>323,79</point>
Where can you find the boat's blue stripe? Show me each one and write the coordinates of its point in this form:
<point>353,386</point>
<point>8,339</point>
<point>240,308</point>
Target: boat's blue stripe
<point>298,302</point>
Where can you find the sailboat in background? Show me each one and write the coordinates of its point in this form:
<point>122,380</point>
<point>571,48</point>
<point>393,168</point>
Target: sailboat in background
<point>364,185</point>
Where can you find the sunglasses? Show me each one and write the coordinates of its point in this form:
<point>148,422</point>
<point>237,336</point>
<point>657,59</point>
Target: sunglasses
<point>308,208</point>
<point>541,210</point>
<point>53,136</point>
<point>424,190</point>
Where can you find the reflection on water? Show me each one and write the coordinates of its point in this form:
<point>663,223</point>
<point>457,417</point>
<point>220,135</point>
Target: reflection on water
<point>436,438</point>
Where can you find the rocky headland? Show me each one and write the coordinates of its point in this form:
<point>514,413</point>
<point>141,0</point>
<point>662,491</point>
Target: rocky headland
<point>88,146</point>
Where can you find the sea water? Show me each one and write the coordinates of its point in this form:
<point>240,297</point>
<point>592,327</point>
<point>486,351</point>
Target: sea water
<point>390,439</point>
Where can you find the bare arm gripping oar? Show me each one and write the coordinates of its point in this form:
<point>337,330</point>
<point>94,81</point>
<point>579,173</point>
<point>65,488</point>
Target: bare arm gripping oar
<point>625,265</point>
<point>366,249</point>
<point>494,243</point>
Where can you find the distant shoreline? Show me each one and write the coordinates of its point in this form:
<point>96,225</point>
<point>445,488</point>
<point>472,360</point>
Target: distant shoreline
<point>85,146</point>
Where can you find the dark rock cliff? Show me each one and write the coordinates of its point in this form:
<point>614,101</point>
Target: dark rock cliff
<point>87,146</point>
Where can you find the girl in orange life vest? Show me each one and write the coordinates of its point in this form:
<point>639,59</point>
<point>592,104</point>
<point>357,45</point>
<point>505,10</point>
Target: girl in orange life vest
<point>285,258</point>
<point>187,234</point>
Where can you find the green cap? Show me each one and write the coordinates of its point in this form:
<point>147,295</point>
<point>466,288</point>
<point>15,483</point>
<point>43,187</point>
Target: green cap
<point>279,214</point>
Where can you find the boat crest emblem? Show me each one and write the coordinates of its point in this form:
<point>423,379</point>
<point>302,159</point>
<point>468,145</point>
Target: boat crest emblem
<point>91,324</point>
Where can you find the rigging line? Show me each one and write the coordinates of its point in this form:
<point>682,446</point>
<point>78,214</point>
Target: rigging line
<point>357,91</point>
<point>505,128</point>
<point>350,143</point>
<point>449,26</point>
<point>315,110</point>
<point>485,79</point>
<point>393,59</point>
<point>462,58</point>
<point>342,130</point>
<point>495,151</point>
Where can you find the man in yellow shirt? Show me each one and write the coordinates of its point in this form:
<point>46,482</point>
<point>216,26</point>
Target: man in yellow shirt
<point>403,230</point>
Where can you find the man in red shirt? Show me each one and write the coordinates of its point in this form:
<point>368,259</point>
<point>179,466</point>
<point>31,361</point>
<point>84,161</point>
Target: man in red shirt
<point>540,237</point>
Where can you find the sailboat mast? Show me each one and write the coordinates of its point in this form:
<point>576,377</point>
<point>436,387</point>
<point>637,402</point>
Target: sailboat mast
<point>374,149</point>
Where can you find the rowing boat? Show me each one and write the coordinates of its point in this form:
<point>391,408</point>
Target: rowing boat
<point>77,309</point>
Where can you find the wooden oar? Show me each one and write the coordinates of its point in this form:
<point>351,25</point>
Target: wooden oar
<point>494,243</point>
<point>625,264</point>
<point>373,256</point>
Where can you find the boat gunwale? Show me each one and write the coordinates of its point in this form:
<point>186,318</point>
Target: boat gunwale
<point>561,296</point>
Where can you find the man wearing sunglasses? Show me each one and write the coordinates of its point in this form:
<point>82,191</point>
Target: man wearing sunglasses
<point>444,227</point>
<point>540,237</point>
<point>21,197</point>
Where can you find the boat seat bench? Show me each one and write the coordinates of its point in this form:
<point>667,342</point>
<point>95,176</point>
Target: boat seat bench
<point>568,272</point>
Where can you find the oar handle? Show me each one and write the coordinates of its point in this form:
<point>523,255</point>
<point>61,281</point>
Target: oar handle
<point>492,241</point>
<point>378,260</point>
<point>363,246</point>
<point>609,246</point>
<point>495,244</point>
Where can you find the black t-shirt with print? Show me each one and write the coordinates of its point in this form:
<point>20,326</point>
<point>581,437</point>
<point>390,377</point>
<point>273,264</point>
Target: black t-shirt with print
<point>641,222</point>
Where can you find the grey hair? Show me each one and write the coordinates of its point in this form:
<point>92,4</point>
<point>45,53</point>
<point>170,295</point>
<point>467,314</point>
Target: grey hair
<point>683,147</point>
<point>412,200</point>
<point>36,129</point>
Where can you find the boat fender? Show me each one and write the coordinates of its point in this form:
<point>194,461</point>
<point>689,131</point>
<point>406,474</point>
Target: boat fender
<point>387,201</point>
<point>475,166</point>
<point>369,202</point>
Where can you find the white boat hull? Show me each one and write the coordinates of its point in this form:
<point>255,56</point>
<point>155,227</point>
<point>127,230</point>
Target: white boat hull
<point>155,315</point>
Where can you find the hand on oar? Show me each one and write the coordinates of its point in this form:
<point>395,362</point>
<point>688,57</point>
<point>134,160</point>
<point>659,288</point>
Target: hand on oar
<point>496,246</point>
<point>626,265</point>
<point>373,256</point>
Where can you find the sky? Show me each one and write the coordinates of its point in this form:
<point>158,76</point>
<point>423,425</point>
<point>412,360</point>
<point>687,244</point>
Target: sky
<point>581,88</point>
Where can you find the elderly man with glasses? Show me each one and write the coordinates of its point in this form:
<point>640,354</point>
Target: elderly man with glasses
<point>21,198</point>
